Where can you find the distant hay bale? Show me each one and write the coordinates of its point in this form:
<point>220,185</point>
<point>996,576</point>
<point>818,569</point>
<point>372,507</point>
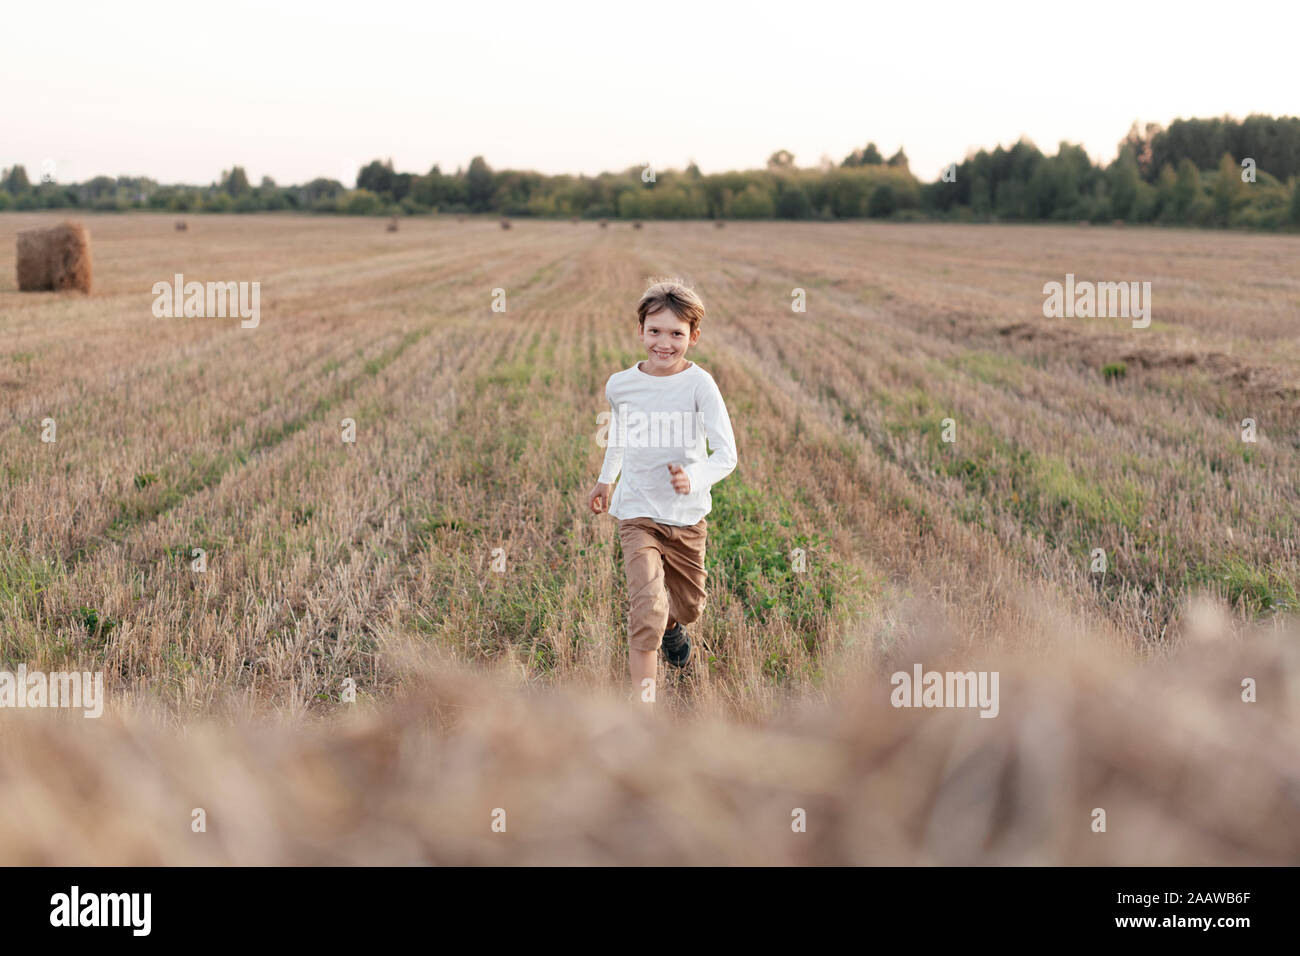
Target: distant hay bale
<point>718,224</point>
<point>181,225</point>
<point>460,218</point>
<point>637,224</point>
<point>392,224</point>
<point>604,224</point>
<point>55,259</point>
<point>575,220</point>
<point>505,223</point>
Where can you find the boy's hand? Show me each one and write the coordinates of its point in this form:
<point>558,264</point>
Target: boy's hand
<point>681,481</point>
<point>598,500</point>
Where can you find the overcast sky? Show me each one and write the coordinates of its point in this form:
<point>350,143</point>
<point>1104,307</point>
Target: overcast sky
<point>180,90</point>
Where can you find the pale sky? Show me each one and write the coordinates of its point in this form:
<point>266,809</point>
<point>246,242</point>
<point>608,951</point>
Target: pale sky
<point>181,89</point>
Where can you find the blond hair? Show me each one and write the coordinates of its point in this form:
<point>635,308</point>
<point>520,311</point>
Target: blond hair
<point>675,295</point>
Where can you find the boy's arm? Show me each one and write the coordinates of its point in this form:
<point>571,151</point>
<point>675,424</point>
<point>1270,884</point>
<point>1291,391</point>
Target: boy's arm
<point>717,426</point>
<point>613,463</point>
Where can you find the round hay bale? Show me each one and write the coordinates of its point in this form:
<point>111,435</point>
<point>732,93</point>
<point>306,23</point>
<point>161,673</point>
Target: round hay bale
<point>505,223</point>
<point>719,224</point>
<point>55,259</point>
<point>604,224</point>
<point>460,218</point>
<point>392,224</point>
<point>636,225</point>
<point>181,225</point>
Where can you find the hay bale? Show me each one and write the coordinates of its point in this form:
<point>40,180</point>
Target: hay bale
<point>54,259</point>
<point>181,225</point>
<point>1167,747</point>
<point>719,224</point>
<point>637,224</point>
<point>392,224</point>
<point>460,218</point>
<point>505,223</point>
<point>574,220</point>
<point>604,224</point>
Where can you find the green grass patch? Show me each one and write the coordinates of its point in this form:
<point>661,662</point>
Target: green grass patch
<point>96,623</point>
<point>23,579</point>
<point>1059,488</point>
<point>1250,588</point>
<point>516,373</point>
<point>990,368</point>
<point>753,553</point>
<point>430,524</point>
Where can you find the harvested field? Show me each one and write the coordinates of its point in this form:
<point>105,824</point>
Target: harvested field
<point>329,560</point>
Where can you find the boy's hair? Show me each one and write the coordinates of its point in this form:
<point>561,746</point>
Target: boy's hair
<point>675,295</point>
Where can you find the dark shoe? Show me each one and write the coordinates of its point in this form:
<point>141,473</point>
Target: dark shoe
<point>677,646</point>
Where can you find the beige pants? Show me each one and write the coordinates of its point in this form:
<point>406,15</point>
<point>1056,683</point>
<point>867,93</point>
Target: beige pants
<point>665,577</point>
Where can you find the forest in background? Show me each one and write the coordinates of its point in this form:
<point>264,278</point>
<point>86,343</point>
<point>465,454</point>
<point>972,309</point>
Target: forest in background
<point>1218,172</point>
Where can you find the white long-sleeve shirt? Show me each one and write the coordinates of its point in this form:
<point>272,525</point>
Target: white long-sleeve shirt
<point>657,420</point>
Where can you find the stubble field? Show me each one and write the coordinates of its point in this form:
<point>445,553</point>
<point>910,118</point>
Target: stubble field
<point>476,430</point>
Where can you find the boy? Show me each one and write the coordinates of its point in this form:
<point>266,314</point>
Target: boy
<point>656,440</point>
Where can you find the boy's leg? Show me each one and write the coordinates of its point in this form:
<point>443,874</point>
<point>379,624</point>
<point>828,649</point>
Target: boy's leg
<point>644,666</point>
<point>647,614</point>
<point>684,574</point>
<point>647,611</point>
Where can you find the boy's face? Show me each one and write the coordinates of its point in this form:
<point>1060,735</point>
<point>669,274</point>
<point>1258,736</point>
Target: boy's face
<point>666,339</point>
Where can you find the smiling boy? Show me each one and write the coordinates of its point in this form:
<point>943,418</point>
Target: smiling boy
<point>657,442</point>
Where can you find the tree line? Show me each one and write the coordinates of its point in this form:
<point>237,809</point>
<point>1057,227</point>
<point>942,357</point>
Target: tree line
<point>1215,172</point>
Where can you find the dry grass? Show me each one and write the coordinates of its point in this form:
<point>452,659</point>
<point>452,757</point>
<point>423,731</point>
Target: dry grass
<point>475,431</point>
